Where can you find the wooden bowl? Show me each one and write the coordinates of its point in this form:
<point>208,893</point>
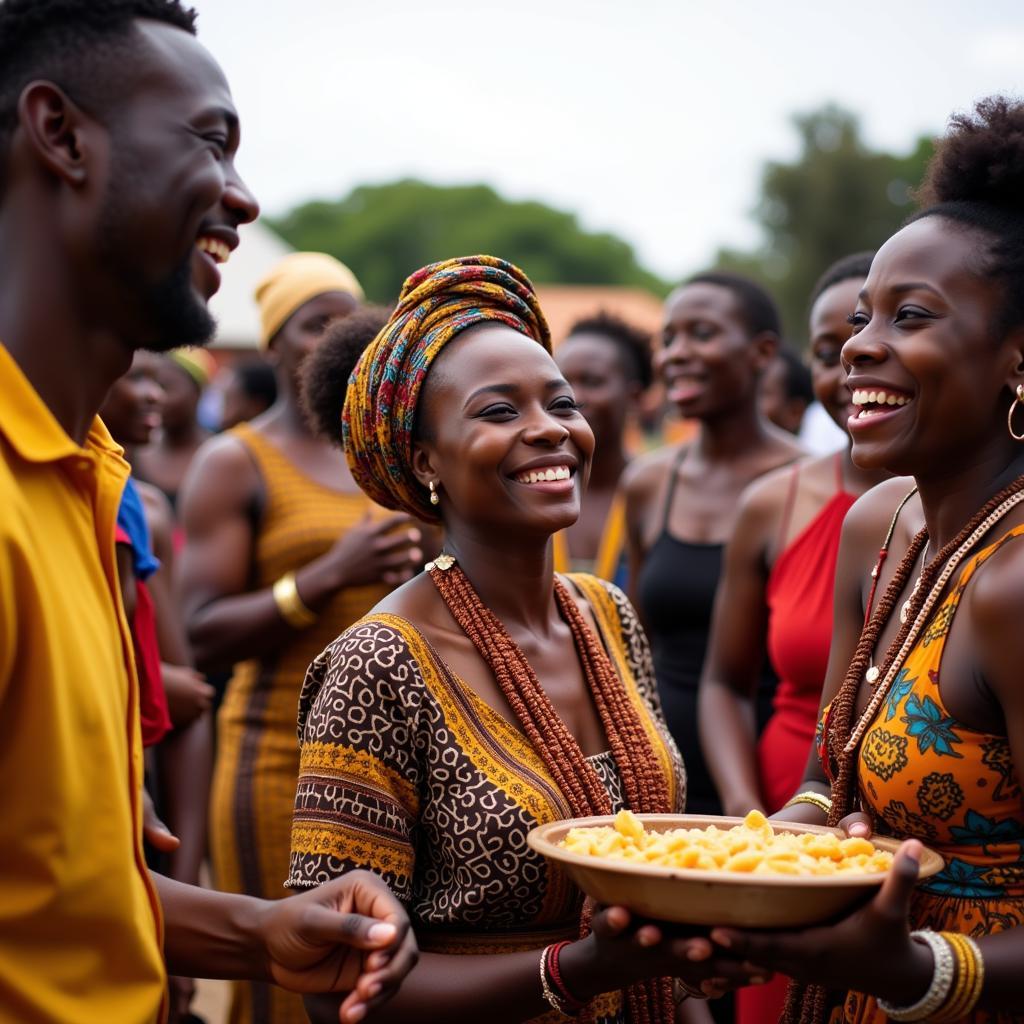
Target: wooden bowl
<point>689,896</point>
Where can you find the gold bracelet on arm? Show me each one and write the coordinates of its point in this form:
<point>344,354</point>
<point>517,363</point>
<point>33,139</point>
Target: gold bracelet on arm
<point>290,605</point>
<point>808,796</point>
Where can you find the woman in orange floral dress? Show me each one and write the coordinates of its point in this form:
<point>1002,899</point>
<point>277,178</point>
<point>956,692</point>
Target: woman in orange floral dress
<point>922,736</point>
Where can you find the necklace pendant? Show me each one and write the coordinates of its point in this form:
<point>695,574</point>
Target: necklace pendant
<point>905,613</point>
<point>442,562</point>
<point>872,674</point>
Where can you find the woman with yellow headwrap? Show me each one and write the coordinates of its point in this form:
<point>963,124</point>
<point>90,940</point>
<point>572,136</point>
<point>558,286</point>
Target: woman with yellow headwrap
<point>282,551</point>
<point>487,695</point>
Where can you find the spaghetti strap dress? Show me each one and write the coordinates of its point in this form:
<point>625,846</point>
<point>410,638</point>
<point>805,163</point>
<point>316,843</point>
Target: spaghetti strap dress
<point>925,775</point>
<point>257,756</point>
<point>676,590</point>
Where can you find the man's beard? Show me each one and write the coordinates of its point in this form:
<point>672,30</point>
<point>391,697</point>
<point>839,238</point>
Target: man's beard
<point>169,313</point>
<point>179,319</point>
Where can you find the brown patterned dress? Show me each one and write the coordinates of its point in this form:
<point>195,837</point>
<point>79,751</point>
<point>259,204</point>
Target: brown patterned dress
<point>405,771</point>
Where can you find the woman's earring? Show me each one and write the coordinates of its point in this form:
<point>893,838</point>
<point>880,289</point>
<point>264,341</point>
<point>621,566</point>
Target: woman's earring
<point>435,500</point>
<point>1018,399</point>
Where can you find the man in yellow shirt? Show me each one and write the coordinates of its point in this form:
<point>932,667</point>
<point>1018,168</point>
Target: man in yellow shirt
<point>118,200</point>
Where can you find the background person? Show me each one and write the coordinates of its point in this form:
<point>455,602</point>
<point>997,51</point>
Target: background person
<point>250,388</point>
<point>786,390</point>
<point>776,597</point>
<point>282,550</point>
<point>607,362</point>
<point>721,331</point>
<point>183,374</point>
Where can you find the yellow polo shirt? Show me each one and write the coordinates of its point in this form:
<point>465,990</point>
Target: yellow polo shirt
<point>80,927</point>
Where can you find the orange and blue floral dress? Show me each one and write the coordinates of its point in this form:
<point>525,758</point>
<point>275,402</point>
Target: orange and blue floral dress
<point>925,775</point>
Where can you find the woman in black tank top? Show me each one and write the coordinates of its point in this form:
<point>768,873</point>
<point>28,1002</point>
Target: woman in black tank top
<point>721,331</point>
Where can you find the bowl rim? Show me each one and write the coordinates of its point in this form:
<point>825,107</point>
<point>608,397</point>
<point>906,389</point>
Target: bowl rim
<point>537,839</point>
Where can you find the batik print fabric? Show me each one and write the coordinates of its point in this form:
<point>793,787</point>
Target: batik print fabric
<point>405,771</point>
<point>924,774</point>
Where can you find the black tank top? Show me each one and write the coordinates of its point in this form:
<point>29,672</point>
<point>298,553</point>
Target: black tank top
<point>676,589</point>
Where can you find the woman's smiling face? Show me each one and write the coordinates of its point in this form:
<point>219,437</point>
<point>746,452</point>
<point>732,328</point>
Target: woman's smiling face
<point>501,435</point>
<point>929,379</point>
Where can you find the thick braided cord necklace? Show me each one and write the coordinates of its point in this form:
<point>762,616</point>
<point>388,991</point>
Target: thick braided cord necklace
<point>924,614</point>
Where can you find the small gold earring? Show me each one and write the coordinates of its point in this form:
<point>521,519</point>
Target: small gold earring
<point>434,499</point>
<point>1017,400</point>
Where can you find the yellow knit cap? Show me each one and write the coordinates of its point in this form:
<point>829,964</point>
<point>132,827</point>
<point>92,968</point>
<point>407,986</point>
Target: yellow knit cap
<point>299,277</point>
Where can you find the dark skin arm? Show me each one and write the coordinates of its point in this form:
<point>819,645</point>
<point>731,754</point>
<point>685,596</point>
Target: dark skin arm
<point>350,935</point>
<point>870,950</point>
<point>736,653</point>
<point>505,988</point>
<point>226,620</point>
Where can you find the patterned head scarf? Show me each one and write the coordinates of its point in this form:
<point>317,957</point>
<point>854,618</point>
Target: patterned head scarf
<point>437,303</point>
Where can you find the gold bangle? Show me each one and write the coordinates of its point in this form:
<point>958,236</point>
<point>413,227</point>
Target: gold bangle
<point>949,1010</point>
<point>290,605</point>
<point>808,796</point>
<point>969,981</point>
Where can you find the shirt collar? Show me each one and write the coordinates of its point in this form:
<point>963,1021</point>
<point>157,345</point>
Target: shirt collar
<point>30,427</point>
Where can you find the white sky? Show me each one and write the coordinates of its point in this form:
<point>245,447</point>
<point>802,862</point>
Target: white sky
<point>650,119</point>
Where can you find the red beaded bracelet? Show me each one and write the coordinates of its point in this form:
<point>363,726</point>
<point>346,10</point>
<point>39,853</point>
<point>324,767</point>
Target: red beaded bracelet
<point>572,1003</point>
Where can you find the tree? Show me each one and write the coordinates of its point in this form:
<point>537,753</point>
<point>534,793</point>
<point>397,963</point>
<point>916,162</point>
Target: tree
<point>384,232</point>
<point>837,197</point>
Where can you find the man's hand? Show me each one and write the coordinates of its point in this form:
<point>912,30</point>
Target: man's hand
<point>349,935</point>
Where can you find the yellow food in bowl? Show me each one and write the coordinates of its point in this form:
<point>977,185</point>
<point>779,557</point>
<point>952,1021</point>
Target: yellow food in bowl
<point>751,848</point>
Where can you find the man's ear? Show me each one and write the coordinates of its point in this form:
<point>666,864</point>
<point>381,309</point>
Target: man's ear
<point>56,131</point>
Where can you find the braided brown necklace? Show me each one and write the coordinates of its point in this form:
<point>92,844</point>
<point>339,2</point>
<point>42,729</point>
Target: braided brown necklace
<point>645,787</point>
<point>808,1004</point>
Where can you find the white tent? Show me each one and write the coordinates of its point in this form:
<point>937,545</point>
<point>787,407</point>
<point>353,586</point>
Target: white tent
<point>238,325</point>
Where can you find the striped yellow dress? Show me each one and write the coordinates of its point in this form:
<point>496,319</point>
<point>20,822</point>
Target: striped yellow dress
<point>257,753</point>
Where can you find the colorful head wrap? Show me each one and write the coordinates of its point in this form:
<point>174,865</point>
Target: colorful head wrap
<point>293,281</point>
<point>437,303</point>
<point>196,362</point>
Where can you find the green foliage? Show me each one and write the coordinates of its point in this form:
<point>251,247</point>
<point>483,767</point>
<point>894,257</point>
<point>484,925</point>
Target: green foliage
<point>384,232</point>
<point>837,197</point>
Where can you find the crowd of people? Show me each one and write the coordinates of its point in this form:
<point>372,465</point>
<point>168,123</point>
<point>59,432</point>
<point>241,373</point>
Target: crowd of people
<point>283,689</point>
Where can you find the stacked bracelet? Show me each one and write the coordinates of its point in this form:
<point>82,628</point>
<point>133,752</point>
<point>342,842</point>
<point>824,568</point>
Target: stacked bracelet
<point>557,996</point>
<point>290,605</point>
<point>938,990</point>
<point>970,976</point>
<point>808,796</point>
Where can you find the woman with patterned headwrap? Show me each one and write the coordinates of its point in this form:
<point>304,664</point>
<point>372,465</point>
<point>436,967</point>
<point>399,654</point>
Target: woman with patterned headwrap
<point>282,550</point>
<point>487,695</point>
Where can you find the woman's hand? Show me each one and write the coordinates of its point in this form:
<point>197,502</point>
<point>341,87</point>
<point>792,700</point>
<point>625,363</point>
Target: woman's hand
<point>868,951</point>
<point>857,824</point>
<point>621,950</point>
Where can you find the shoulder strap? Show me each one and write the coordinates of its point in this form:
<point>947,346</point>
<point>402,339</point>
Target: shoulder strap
<point>787,509</point>
<point>613,537</point>
<point>673,480</point>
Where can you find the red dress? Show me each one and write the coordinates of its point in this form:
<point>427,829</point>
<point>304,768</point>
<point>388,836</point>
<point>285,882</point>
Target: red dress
<point>799,597</point>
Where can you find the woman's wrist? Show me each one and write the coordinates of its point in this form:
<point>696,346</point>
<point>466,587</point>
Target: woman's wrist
<point>582,975</point>
<point>911,978</point>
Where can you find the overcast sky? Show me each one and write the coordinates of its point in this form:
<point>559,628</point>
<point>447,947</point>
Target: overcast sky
<point>650,119</point>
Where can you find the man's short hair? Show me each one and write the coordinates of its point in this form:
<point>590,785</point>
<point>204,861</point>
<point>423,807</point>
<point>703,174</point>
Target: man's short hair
<point>80,45</point>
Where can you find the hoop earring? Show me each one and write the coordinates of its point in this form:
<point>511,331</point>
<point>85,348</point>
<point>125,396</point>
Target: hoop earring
<point>1018,399</point>
<point>436,500</point>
